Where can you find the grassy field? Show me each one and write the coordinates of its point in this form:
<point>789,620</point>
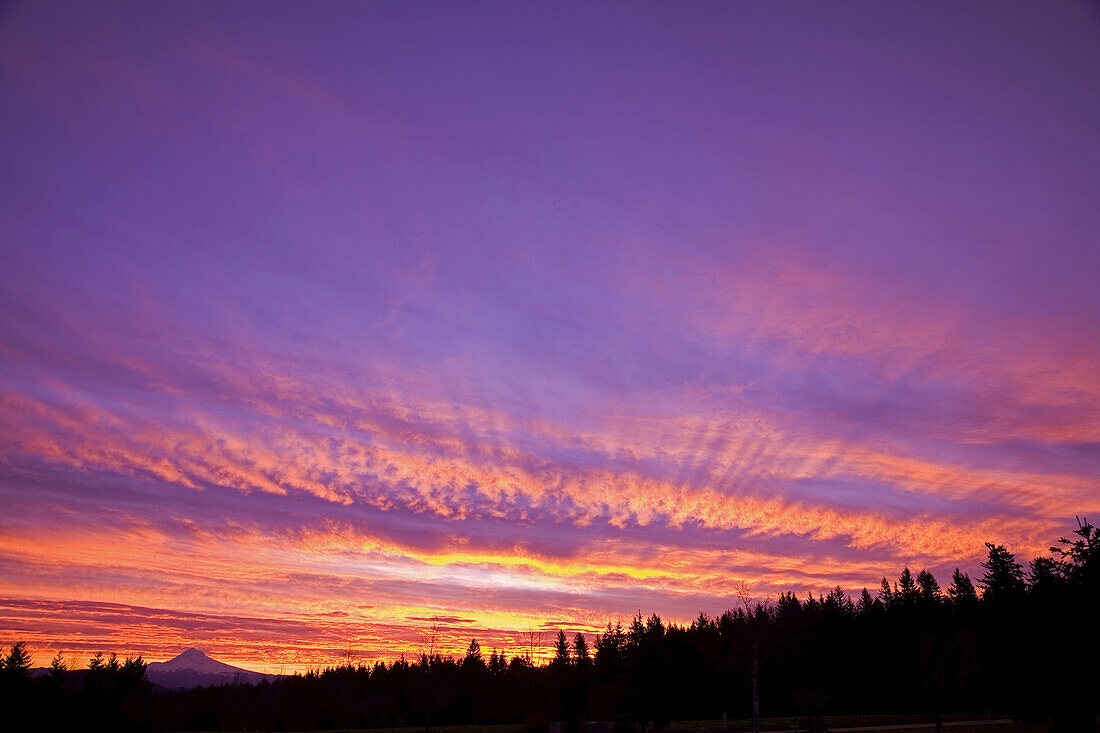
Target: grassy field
<point>781,725</point>
<point>828,721</point>
<point>511,728</point>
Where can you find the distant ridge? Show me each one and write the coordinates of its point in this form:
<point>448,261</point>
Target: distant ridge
<point>193,668</point>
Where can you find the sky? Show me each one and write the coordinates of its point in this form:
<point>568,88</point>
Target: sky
<point>347,330</point>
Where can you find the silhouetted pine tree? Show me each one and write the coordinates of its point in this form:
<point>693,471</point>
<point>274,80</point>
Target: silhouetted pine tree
<point>581,656</point>
<point>561,650</point>
<point>928,587</point>
<point>866,603</point>
<point>498,665</point>
<point>15,687</point>
<point>907,589</point>
<point>961,591</point>
<point>1044,578</point>
<point>1004,578</point>
<point>473,658</point>
<point>17,662</point>
<point>885,594</point>
<point>1081,558</point>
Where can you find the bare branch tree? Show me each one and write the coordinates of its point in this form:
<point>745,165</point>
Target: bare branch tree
<point>428,637</point>
<point>751,614</point>
<point>533,639</point>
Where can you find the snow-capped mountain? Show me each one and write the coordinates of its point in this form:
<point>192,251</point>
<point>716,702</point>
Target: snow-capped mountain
<point>194,668</point>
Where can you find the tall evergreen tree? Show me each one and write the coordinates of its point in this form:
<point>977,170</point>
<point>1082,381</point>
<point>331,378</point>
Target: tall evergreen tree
<point>907,588</point>
<point>1044,577</point>
<point>929,588</point>
<point>885,594</point>
<point>609,646</point>
<point>961,591</point>
<point>57,667</point>
<point>866,603</point>
<point>1081,558</point>
<point>498,665</point>
<point>561,650</point>
<point>473,658</point>
<point>838,601</point>
<point>1004,578</point>
<point>18,660</point>
<point>581,656</point>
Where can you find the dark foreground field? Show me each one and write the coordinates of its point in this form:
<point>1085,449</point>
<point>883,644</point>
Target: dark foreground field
<point>832,723</point>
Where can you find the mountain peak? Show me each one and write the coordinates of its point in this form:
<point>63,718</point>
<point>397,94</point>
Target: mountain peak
<point>199,661</point>
<point>194,667</point>
<point>191,654</point>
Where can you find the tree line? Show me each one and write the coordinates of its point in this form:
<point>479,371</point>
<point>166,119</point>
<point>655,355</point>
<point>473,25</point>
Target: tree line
<point>1021,641</point>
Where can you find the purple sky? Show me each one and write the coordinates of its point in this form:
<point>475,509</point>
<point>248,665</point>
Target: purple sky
<point>323,321</point>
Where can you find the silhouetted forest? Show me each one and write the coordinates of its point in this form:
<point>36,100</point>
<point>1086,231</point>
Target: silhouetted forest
<point>1024,643</point>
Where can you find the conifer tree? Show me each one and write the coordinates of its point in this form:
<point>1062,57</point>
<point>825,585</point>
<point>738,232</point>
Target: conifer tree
<point>907,588</point>
<point>581,657</point>
<point>1004,578</point>
<point>498,664</point>
<point>609,646</point>
<point>885,594</point>
<point>473,658</point>
<point>561,650</point>
<point>961,591</point>
<point>18,660</point>
<point>57,667</point>
<point>1044,576</point>
<point>838,600</point>
<point>929,587</point>
<point>1081,558</point>
<point>866,603</point>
